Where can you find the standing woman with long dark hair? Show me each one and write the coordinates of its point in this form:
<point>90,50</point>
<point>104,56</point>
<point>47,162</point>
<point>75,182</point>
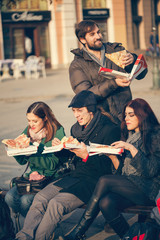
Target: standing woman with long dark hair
<point>42,128</point>
<point>136,179</point>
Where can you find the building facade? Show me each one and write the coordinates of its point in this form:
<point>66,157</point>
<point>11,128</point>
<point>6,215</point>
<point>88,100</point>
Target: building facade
<point>49,26</point>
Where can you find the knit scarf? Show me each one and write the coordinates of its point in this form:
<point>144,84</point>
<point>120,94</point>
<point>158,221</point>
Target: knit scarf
<point>83,134</point>
<point>94,58</point>
<point>37,137</point>
<point>128,169</point>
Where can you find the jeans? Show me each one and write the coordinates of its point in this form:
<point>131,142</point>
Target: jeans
<point>18,203</point>
<point>152,50</point>
<point>48,208</point>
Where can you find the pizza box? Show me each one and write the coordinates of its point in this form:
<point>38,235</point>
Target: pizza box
<point>59,147</point>
<point>109,73</point>
<point>51,149</point>
<point>72,145</point>
<point>139,66</point>
<point>100,148</point>
<point>21,151</point>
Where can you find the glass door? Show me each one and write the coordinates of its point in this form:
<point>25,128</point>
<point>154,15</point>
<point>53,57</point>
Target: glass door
<point>18,43</point>
<point>7,43</point>
<point>44,44</point>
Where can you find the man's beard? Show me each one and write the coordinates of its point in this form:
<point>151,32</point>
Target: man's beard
<point>95,47</point>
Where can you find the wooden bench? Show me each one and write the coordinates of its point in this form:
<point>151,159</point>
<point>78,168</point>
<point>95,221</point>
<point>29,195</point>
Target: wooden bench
<point>142,211</point>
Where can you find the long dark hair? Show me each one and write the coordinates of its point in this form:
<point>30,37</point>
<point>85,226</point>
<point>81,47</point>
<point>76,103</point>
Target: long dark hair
<point>43,111</point>
<point>147,121</point>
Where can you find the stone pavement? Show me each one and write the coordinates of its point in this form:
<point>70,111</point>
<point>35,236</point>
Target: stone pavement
<point>55,90</point>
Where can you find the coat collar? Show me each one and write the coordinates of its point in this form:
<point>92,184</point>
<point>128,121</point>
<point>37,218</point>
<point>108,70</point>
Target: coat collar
<point>109,48</point>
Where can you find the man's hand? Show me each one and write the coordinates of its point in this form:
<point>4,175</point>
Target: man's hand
<point>127,59</point>
<point>121,82</point>
<point>81,152</point>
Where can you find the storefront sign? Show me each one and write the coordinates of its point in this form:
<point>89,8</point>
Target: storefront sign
<point>12,17</point>
<point>96,13</point>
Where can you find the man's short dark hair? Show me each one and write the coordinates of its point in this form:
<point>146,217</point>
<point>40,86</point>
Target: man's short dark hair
<point>84,27</point>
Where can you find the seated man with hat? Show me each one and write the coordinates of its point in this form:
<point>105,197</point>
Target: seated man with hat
<point>56,200</point>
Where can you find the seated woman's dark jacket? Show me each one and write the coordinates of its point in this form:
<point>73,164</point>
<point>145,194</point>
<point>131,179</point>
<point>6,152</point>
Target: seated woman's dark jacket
<point>144,169</point>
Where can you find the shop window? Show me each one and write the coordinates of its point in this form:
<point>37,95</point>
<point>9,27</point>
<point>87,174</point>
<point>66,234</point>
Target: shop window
<point>136,19</point>
<point>44,43</point>
<point>18,43</point>
<point>24,5</point>
<point>7,43</point>
<point>103,28</point>
<point>156,2</point>
<point>8,5</point>
<point>43,5</point>
<point>34,4</point>
<point>94,3</point>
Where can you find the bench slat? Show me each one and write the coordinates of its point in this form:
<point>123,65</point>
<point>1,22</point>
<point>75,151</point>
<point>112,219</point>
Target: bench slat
<point>139,209</point>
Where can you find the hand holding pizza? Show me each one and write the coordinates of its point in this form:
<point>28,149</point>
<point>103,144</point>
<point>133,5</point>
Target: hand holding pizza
<point>126,146</point>
<point>127,59</point>
<point>80,152</point>
<point>121,58</point>
<point>65,140</point>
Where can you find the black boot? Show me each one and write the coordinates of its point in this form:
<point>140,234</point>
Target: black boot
<point>119,225</point>
<point>88,217</point>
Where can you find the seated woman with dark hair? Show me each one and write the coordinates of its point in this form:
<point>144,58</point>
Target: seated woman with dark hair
<point>136,179</point>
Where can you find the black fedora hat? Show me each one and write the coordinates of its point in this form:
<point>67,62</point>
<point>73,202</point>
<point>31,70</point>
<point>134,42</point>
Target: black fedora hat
<point>84,99</point>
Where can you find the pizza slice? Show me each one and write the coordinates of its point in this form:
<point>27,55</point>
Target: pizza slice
<point>64,139</point>
<point>69,140</point>
<point>116,57</point>
<point>101,148</point>
<point>22,141</point>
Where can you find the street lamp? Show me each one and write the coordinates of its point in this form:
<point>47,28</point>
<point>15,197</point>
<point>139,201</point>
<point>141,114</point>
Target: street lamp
<point>156,77</point>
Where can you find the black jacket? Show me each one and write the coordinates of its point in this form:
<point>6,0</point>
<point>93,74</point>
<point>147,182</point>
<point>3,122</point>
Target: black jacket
<point>147,166</point>
<point>143,169</point>
<point>84,76</point>
<point>87,174</point>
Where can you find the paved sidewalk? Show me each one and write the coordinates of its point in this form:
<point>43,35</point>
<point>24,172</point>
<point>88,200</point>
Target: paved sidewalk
<point>144,89</point>
<point>55,90</point>
<point>57,85</point>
